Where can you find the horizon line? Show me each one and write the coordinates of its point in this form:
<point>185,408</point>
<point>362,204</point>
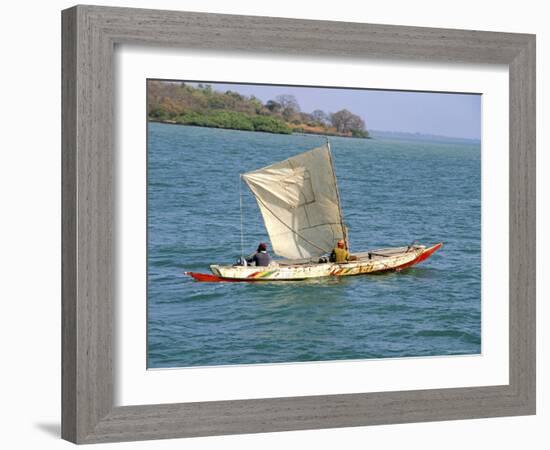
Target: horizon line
<point>420,133</point>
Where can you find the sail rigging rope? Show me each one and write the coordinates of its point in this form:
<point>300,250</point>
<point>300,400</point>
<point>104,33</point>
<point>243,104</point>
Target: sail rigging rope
<point>241,209</point>
<point>289,227</point>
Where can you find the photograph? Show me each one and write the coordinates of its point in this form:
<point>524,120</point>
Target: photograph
<point>292,224</point>
<point>263,226</point>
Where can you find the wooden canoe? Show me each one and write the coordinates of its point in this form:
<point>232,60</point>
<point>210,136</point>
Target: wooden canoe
<point>374,261</point>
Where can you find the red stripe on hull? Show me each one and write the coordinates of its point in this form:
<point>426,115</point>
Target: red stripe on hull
<point>210,278</point>
<point>422,257</point>
<point>252,275</point>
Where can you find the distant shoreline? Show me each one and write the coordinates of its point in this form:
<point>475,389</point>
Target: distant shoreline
<point>373,135</point>
<point>417,135</point>
<point>204,106</point>
<point>303,132</point>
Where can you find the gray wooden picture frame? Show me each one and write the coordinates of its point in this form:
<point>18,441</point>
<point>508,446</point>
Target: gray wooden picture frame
<point>90,34</point>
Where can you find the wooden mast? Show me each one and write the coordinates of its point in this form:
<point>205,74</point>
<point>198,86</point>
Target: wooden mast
<point>344,229</point>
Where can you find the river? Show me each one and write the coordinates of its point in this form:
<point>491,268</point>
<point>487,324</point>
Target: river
<point>393,189</point>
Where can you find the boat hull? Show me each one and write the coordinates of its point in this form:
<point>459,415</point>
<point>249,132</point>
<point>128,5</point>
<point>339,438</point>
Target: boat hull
<point>369,262</point>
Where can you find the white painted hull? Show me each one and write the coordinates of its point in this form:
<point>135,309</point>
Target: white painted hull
<point>368,262</point>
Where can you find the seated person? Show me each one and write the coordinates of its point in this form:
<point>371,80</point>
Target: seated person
<point>261,257</point>
<point>340,254</point>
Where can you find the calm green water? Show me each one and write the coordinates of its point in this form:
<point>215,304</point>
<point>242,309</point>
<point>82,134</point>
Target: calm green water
<point>393,191</point>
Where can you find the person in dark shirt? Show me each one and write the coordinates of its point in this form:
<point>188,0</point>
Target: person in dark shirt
<point>261,257</point>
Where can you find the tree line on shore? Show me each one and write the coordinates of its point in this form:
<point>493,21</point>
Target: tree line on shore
<point>201,105</point>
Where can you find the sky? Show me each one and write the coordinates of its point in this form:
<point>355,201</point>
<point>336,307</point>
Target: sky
<point>444,114</point>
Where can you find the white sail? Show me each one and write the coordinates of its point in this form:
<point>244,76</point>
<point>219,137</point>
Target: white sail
<point>300,205</point>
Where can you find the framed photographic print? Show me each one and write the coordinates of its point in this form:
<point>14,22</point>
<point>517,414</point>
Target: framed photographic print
<point>265,230</point>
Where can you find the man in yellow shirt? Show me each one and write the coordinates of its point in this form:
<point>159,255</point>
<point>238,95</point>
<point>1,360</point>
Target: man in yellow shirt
<point>340,254</point>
